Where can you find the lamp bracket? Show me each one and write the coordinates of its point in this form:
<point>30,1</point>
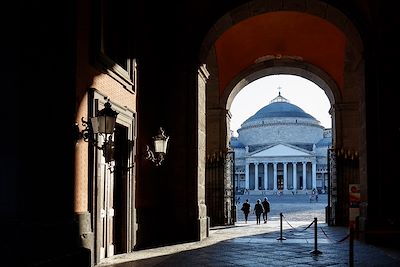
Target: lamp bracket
<point>85,133</point>
<point>157,159</point>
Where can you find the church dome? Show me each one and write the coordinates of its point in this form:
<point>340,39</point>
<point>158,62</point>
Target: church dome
<point>280,122</point>
<point>279,107</point>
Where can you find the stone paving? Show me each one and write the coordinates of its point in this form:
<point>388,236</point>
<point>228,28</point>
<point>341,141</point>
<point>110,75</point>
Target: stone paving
<point>258,245</point>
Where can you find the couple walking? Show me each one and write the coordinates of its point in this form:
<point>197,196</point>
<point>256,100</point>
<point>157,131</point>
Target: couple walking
<point>259,208</point>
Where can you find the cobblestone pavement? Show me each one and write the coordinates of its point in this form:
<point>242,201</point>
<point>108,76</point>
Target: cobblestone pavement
<point>260,245</point>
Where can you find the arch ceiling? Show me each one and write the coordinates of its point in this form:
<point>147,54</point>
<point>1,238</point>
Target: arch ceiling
<point>281,34</point>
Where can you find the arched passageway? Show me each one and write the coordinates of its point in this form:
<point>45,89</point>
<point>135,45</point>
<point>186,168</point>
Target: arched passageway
<point>250,42</point>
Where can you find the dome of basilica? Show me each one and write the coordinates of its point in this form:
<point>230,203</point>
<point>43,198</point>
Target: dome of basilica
<point>279,109</point>
<point>280,122</point>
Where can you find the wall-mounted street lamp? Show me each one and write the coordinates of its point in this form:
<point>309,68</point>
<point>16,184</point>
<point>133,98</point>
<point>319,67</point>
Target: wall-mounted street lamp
<point>160,148</point>
<point>103,124</point>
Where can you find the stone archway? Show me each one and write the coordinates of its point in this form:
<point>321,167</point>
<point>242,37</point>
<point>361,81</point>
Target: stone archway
<point>233,63</point>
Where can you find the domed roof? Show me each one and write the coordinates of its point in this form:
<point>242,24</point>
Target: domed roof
<point>324,142</point>
<point>235,143</point>
<point>280,107</point>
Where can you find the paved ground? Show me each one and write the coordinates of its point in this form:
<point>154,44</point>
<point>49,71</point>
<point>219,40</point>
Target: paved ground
<point>293,207</point>
<point>259,245</point>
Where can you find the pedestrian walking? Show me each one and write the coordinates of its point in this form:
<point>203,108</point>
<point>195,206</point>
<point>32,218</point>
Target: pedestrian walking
<point>246,210</point>
<point>258,210</point>
<point>314,194</point>
<point>266,205</point>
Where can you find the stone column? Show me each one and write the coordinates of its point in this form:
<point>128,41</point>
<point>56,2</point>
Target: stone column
<point>294,175</point>
<point>285,177</point>
<point>256,176</point>
<point>304,176</point>
<point>265,175</point>
<point>275,176</point>
<point>247,176</point>
<point>314,175</point>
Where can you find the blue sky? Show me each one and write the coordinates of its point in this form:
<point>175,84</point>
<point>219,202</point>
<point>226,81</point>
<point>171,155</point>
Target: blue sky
<point>299,91</point>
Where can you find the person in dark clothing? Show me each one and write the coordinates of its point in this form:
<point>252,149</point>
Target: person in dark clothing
<point>266,206</point>
<point>258,210</point>
<point>246,210</point>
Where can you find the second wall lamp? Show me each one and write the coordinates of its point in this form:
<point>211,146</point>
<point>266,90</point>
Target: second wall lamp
<point>160,148</point>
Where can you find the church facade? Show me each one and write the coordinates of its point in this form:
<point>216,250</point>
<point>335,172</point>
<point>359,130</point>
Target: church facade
<point>281,149</point>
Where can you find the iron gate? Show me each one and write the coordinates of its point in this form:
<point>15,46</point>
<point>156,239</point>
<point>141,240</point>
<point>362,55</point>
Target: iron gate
<point>332,187</point>
<point>220,184</point>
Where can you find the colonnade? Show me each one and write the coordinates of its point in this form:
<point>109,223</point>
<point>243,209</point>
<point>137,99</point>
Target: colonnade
<point>294,181</point>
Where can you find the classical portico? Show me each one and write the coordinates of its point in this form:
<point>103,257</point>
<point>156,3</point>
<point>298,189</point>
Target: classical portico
<point>291,169</point>
<point>271,182</point>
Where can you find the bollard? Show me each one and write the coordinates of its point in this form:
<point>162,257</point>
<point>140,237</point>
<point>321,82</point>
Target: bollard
<point>315,251</point>
<point>351,247</point>
<point>281,237</point>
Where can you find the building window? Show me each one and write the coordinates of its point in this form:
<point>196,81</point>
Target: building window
<point>113,43</point>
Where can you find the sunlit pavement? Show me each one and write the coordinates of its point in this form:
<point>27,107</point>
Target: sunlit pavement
<point>249,244</point>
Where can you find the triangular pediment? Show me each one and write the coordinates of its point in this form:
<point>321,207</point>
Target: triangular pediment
<point>281,150</point>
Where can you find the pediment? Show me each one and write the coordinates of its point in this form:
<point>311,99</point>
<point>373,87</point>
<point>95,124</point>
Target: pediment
<point>281,150</point>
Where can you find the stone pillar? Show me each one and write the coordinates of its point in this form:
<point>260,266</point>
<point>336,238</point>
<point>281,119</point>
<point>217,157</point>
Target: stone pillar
<point>203,227</point>
<point>314,175</point>
<point>304,176</point>
<point>294,175</point>
<point>86,235</point>
<point>265,175</point>
<point>247,176</point>
<point>256,176</point>
<point>285,177</point>
<point>275,176</point>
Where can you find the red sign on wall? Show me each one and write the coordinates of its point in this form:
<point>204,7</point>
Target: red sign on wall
<point>354,198</point>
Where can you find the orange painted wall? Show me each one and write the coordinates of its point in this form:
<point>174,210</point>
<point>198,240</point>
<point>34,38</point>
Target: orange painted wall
<point>284,33</point>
